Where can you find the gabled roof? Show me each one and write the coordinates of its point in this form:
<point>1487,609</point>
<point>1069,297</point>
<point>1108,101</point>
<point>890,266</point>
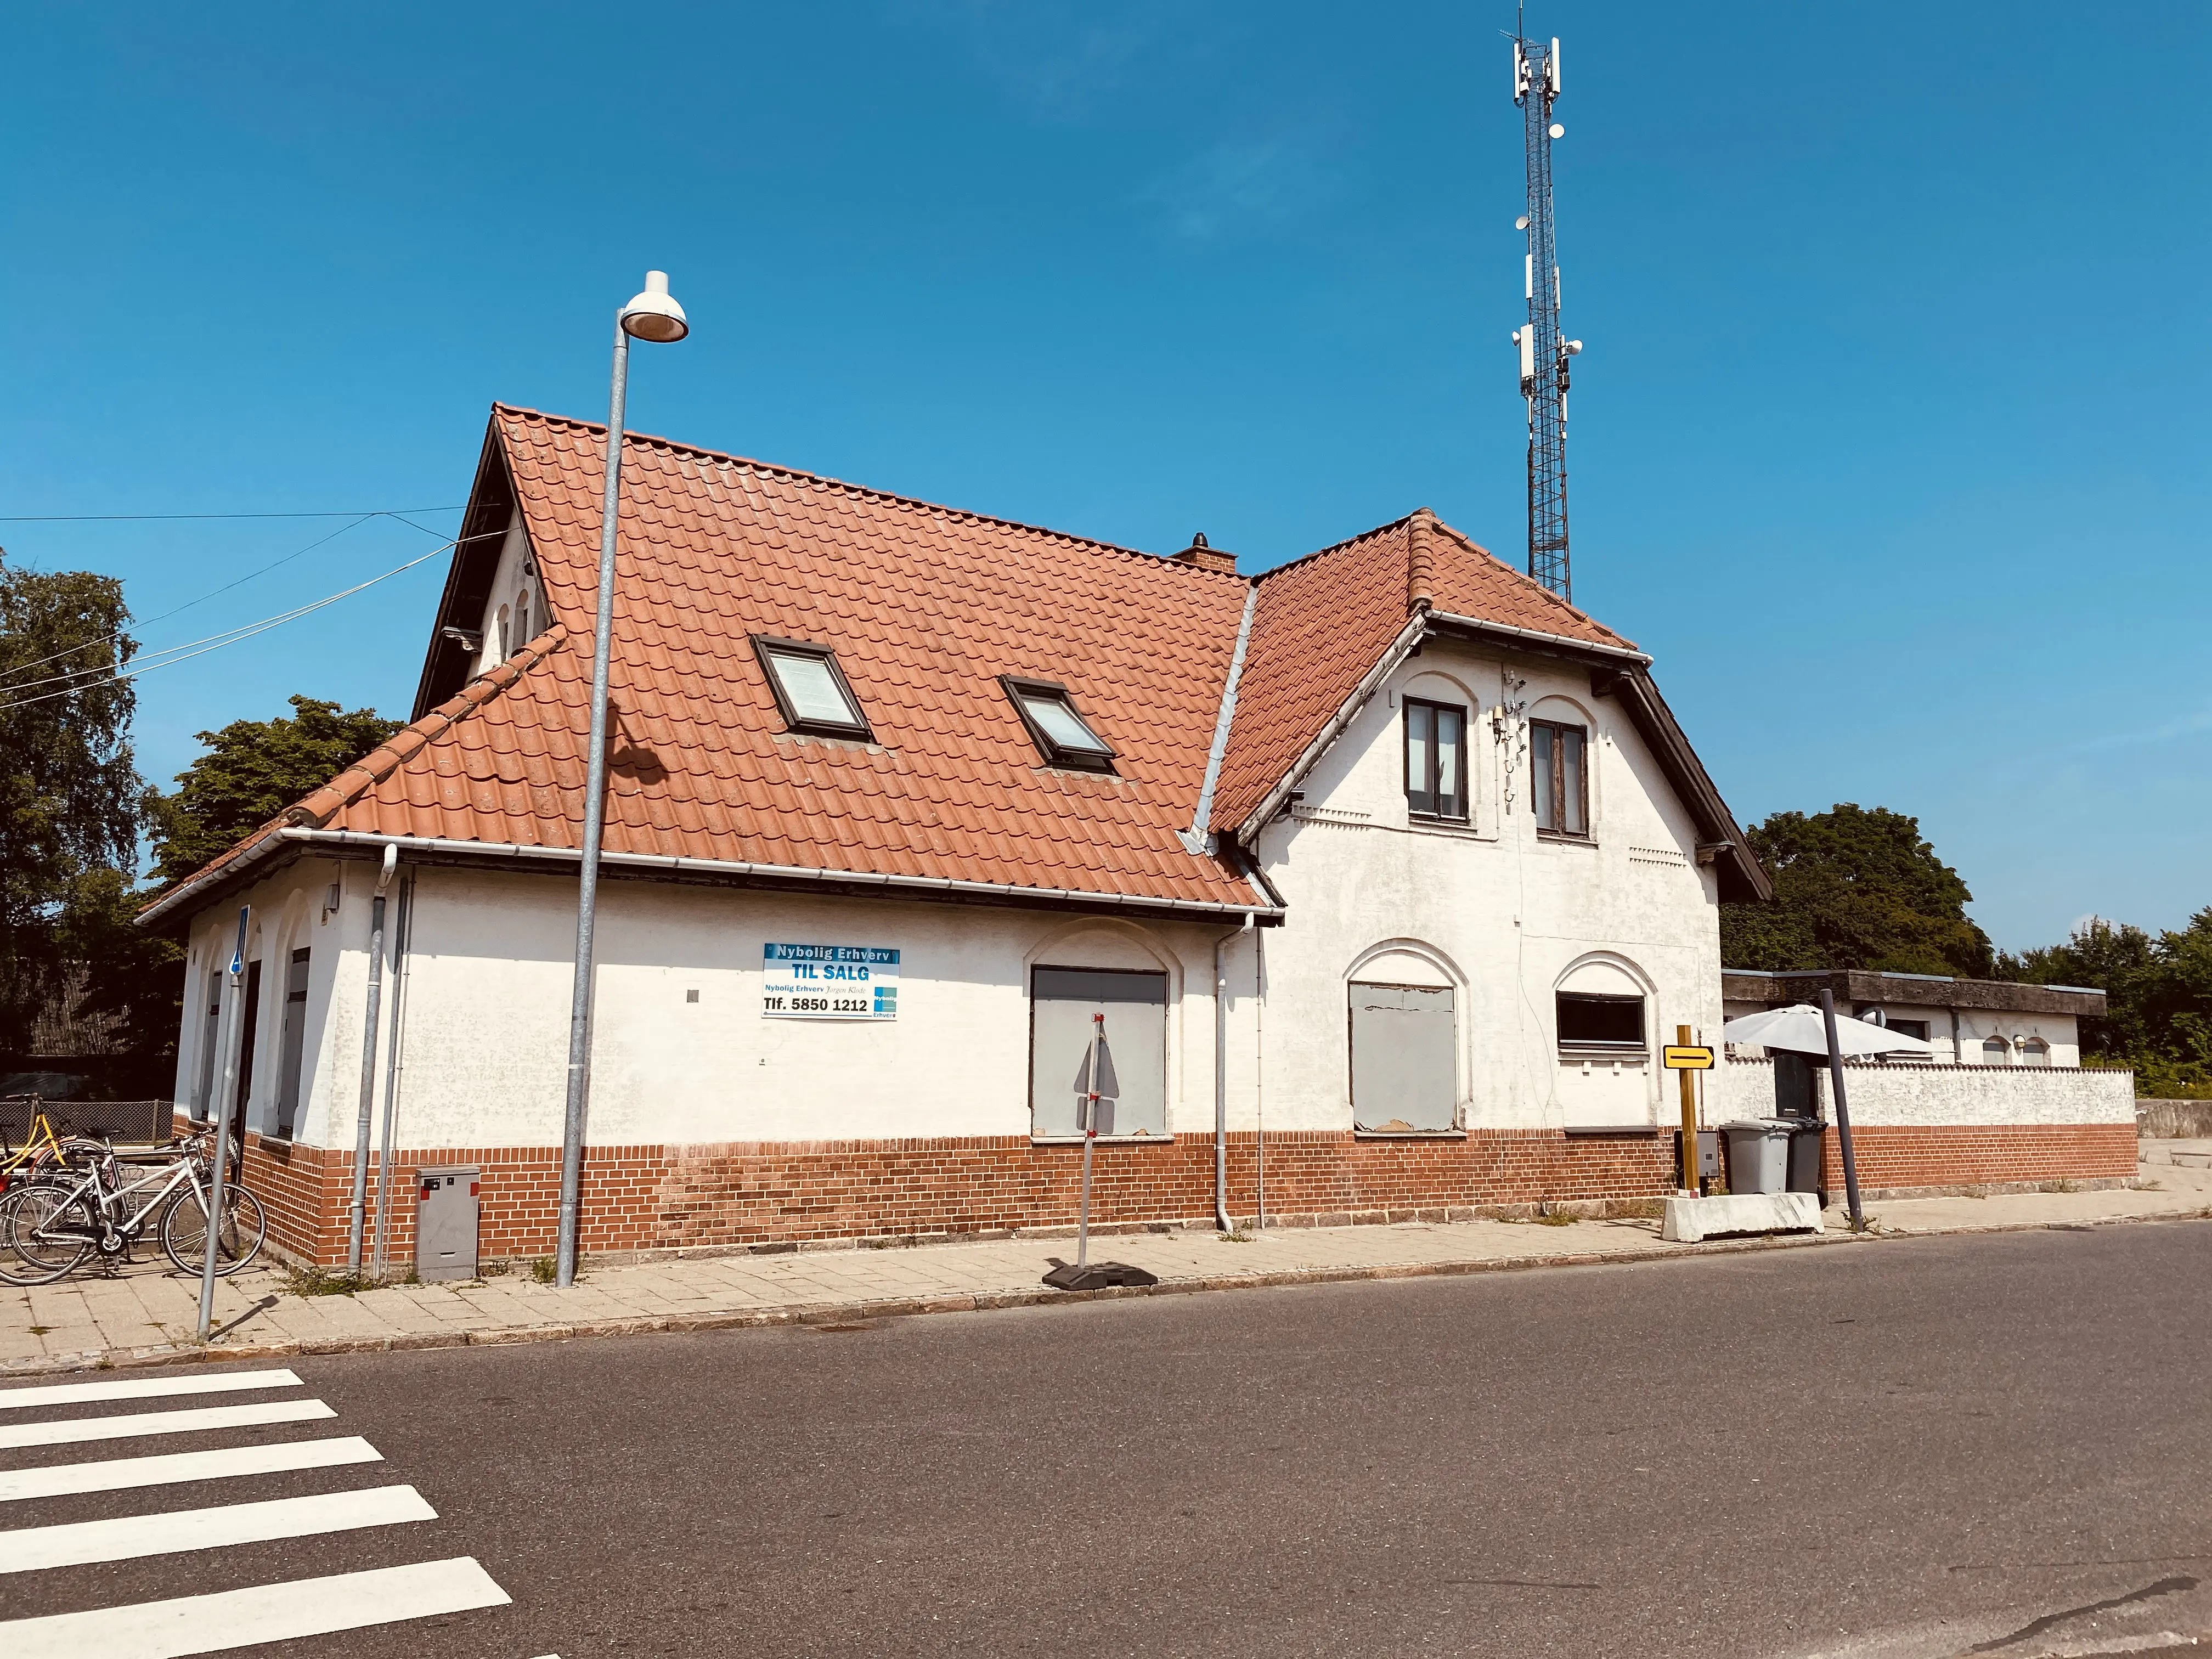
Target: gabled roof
<point>1324,621</point>
<point>926,608</point>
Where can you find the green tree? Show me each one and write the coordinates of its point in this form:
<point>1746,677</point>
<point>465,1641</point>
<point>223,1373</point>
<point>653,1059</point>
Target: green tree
<point>2157,998</point>
<point>71,799</point>
<point>252,771</point>
<point>1853,887</point>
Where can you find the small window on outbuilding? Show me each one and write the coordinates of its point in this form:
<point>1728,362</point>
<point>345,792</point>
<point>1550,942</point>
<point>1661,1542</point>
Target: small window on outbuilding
<point>1590,1020</point>
<point>1995,1051</point>
<point>810,688</point>
<point>2035,1052</point>
<point>1062,736</point>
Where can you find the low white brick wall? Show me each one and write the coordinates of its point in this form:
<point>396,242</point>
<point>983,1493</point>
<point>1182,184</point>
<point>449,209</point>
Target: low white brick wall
<point>1928,1095</point>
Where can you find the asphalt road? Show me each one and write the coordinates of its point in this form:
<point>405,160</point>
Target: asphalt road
<point>1995,1444</point>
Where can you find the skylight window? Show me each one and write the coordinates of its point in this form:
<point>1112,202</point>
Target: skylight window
<point>1059,729</point>
<point>810,688</point>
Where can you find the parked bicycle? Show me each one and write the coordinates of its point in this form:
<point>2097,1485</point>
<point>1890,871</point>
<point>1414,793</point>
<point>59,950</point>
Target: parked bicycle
<point>79,1204</point>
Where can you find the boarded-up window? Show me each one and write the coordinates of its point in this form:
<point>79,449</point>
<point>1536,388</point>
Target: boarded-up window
<point>2035,1052</point>
<point>1077,1012</point>
<point>1403,1078</point>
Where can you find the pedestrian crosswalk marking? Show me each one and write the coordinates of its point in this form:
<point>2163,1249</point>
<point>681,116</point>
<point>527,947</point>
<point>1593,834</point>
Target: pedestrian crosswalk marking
<point>225,1619</point>
<point>126,1537</point>
<point>70,1430</point>
<point>155,1388</point>
<point>122,1474</point>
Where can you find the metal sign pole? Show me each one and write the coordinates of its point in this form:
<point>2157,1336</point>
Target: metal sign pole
<point>225,1093</point>
<point>1843,1111</point>
<point>1090,1135</point>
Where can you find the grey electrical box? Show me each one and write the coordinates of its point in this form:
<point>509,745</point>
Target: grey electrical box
<point>1708,1153</point>
<point>445,1205</point>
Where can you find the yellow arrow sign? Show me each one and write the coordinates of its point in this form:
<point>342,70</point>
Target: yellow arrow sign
<point>1684,1058</point>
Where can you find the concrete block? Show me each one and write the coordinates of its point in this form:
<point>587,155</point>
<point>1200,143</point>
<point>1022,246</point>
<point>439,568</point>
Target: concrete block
<point>1689,1220</point>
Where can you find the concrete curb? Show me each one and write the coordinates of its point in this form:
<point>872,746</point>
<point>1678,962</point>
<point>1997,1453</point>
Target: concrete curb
<point>820,1313</point>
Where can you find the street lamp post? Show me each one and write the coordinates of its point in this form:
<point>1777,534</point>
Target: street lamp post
<point>652,315</point>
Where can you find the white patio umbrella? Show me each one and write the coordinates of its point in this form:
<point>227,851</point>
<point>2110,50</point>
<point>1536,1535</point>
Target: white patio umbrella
<point>1803,1030</point>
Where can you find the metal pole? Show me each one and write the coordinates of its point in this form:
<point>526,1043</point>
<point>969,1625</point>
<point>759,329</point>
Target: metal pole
<point>401,935</point>
<point>233,1022</point>
<point>1222,1219</point>
<point>1842,1110</point>
<point>1090,1135</point>
<point>368,1063</point>
<point>595,816</point>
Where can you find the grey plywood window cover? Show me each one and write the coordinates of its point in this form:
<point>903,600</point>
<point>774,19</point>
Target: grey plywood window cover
<point>1404,1078</point>
<point>1064,1003</point>
<point>810,690</point>
<point>1056,726</point>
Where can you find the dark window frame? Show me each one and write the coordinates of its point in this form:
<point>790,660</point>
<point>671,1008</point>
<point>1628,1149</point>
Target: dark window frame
<point>1559,777</point>
<point>1055,753</point>
<point>1436,808</point>
<point>1598,1047</point>
<point>766,645</point>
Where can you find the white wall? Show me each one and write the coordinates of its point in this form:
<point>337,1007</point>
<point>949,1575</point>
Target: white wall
<point>1502,916</point>
<point>485,1009</point>
<point>1933,1096</point>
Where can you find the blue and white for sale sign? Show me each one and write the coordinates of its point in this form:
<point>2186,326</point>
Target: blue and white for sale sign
<point>828,981</point>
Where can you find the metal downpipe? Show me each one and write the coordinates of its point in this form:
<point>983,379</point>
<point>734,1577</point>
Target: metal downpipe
<point>1221,1217</point>
<point>358,1214</point>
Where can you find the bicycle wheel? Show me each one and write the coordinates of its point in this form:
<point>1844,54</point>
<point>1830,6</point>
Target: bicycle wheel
<point>46,1230</point>
<point>237,1241</point>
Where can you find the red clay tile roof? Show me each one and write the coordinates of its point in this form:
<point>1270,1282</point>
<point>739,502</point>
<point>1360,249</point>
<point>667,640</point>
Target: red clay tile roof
<point>925,608</point>
<point>1323,621</point>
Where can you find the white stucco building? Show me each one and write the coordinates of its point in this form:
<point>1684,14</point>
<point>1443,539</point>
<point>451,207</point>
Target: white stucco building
<point>1386,871</point>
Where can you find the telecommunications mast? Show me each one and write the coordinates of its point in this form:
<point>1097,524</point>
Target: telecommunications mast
<point>1544,355</point>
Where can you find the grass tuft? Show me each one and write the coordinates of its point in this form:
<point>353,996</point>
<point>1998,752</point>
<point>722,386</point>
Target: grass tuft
<point>325,1281</point>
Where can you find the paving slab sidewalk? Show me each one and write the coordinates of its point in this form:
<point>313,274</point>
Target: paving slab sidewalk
<point>145,1313</point>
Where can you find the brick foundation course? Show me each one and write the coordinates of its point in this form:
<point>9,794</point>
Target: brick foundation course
<point>658,1198</point>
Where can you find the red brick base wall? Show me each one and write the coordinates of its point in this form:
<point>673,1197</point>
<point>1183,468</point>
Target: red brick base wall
<point>649,1197</point>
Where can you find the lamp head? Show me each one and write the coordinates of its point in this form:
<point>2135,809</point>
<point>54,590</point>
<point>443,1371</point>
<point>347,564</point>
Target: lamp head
<point>652,315</point>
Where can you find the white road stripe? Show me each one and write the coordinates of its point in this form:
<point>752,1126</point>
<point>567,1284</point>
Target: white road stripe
<point>152,1387</point>
<point>69,1431</point>
<point>121,1473</point>
<point>127,1537</point>
<point>267,1612</point>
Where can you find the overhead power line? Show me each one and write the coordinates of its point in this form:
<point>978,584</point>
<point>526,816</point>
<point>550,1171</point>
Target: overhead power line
<point>149,518</point>
<point>176,655</point>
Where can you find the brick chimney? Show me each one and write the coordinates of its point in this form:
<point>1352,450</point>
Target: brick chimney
<point>1205,557</point>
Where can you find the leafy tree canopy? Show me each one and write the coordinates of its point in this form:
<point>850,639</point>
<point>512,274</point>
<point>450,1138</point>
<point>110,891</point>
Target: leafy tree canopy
<point>2158,995</point>
<point>71,799</point>
<point>252,771</point>
<point>1853,887</point>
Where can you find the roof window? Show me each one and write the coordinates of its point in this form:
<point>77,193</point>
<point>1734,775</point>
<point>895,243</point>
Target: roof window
<point>809,688</point>
<point>1061,733</point>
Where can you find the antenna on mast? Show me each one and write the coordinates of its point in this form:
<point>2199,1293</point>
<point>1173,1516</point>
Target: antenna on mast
<point>1544,354</point>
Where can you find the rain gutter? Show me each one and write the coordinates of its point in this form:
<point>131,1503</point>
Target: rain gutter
<point>1266,915</point>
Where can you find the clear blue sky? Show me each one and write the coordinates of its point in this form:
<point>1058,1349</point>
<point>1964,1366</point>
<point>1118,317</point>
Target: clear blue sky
<point>1890,440</point>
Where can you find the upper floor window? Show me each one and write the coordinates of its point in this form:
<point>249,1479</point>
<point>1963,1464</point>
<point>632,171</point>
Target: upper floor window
<point>1561,786</point>
<point>1436,758</point>
<point>1062,736</point>
<point>810,688</point>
